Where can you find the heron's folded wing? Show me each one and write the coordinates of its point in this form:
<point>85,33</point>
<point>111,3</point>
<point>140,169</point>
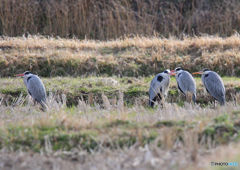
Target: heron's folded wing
<point>186,82</point>
<point>36,88</point>
<point>214,85</point>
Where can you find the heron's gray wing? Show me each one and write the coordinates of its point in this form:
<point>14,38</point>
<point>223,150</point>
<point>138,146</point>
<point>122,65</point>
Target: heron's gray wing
<point>186,82</point>
<point>158,87</point>
<point>36,88</point>
<point>214,85</point>
<point>155,87</point>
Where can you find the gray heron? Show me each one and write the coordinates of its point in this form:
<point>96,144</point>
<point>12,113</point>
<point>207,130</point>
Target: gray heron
<point>213,84</point>
<point>35,87</point>
<point>159,86</point>
<point>185,82</point>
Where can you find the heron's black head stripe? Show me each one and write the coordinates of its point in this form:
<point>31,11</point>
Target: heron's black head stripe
<point>29,78</point>
<point>205,69</point>
<point>166,71</point>
<point>160,78</point>
<point>177,69</point>
<point>27,72</point>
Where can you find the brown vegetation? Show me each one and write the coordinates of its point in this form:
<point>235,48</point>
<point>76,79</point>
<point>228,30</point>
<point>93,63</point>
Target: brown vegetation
<point>107,19</point>
<point>128,56</point>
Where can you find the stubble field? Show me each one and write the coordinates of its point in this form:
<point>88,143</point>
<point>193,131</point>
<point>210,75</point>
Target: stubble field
<point>98,96</point>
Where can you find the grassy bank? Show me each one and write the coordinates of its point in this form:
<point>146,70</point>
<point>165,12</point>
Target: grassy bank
<point>188,135</point>
<point>116,125</point>
<point>90,90</point>
<point>98,97</point>
<point>116,129</point>
<point>134,57</point>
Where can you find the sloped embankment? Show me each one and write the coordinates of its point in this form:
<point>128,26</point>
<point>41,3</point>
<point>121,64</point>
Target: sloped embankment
<point>127,56</point>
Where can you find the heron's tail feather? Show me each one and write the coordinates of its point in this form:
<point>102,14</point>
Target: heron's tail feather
<point>190,96</point>
<point>194,98</point>
<point>44,105</point>
<point>222,101</point>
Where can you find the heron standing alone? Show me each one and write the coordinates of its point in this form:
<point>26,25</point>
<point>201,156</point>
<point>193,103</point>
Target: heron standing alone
<point>159,86</point>
<point>213,84</point>
<point>35,87</point>
<point>185,82</point>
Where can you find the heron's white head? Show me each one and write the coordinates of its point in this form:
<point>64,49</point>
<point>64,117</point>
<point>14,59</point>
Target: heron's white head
<point>177,71</point>
<point>25,74</point>
<point>166,72</point>
<point>204,71</point>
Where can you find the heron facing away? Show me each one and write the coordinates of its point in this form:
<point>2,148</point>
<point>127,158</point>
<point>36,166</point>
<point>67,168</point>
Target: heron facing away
<point>35,87</point>
<point>185,82</point>
<point>213,84</point>
<point>159,86</point>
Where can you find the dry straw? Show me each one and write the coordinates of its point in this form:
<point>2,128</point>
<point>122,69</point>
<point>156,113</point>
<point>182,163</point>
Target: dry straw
<point>167,150</point>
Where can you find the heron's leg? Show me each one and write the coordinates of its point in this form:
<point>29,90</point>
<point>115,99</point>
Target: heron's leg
<point>159,98</point>
<point>160,103</point>
<point>214,103</point>
<point>34,102</point>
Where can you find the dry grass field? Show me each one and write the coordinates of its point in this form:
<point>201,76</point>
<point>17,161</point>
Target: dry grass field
<point>92,137</point>
<point>98,115</point>
<point>127,56</point>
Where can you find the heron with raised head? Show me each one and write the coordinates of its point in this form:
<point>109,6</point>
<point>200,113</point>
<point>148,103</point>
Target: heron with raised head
<point>213,84</point>
<point>35,87</point>
<point>185,82</point>
<point>159,87</point>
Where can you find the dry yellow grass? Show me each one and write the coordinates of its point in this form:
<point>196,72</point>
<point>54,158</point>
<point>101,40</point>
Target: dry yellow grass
<point>128,56</point>
<point>171,44</point>
<point>129,137</point>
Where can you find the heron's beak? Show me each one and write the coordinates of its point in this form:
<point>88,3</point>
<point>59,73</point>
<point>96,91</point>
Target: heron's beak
<point>19,75</point>
<point>200,72</point>
<point>172,73</point>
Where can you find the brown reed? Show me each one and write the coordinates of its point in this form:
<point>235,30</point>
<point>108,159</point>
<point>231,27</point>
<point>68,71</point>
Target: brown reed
<point>107,19</point>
